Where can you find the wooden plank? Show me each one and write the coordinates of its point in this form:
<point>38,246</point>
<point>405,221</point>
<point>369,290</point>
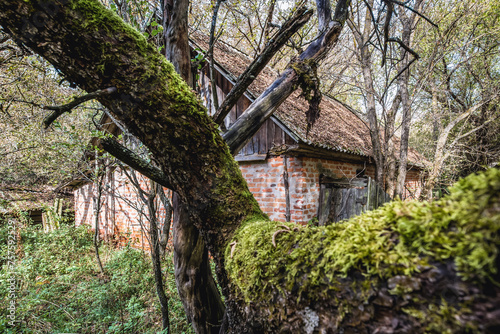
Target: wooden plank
<point>270,134</point>
<point>256,143</point>
<point>336,205</point>
<point>325,199</point>
<point>346,204</point>
<point>263,147</point>
<point>232,117</point>
<point>249,147</point>
<point>289,140</point>
<point>253,157</point>
<point>359,195</point>
<point>368,197</point>
<point>343,182</point>
<point>278,136</point>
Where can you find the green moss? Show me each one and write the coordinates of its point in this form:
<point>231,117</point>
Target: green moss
<point>397,239</point>
<point>445,318</point>
<point>308,77</point>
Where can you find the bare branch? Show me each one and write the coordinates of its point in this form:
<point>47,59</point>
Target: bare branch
<point>390,10</point>
<point>266,32</point>
<point>415,11</point>
<point>341,11</point>
<point>324,9</point>
<point>263,107</point>
<point>399,73</point>
<point>211,54</point>
<point>59,110</point>
<point>404,46</point>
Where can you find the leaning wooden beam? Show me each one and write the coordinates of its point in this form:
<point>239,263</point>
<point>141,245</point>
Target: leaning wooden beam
<point>134,161</point>
<point>290,27</point>
<point>264,106</point>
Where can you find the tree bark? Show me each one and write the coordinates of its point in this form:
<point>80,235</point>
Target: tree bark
<point>195,284</point>
<point>440,154</point>
<point>403,82</point>
<point>365,55</point>
<point>175,17</point>
<point>155,254</point>
<point>99,178</point>
<point>165,232</point>
<point>390,155</point>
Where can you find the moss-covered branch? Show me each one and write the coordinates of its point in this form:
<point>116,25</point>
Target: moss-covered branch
<point>428,266</point>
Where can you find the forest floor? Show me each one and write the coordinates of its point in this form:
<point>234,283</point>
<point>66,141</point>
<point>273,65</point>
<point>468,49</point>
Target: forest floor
<point>59,288</point>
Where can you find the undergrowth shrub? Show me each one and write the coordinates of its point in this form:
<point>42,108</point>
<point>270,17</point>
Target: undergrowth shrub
<point>60,289</point>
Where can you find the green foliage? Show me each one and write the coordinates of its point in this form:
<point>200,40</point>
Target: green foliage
<point>400,238</point>
<point>459,62</point>
<point>30,155</point>
<point>61,289</point>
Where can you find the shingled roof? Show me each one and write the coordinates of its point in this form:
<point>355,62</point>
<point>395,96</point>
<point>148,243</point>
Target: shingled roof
<point>337,129</point>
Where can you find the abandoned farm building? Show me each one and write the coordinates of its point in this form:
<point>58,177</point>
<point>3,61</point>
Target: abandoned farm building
<point>295,174</point>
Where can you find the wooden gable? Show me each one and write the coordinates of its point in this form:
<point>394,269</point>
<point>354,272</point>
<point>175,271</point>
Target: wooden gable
<point>269,135</point>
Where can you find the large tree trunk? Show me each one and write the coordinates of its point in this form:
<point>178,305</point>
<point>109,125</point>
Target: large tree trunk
<point>403,87</point>
<point>175,16</point>
<point>362,39</point>
<point>196,286</point>
<point>365,275</point>
<point>390,149</point>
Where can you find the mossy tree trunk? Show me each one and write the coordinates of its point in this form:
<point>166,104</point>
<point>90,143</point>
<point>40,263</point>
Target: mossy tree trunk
<point>398,269</point>
<point>195,283</point>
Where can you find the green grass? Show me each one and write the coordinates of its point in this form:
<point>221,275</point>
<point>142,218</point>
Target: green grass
<point>60,289</point>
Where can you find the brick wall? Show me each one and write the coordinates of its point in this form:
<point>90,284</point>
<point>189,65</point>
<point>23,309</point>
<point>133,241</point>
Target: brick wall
<point>265,180</point>
<point>413,186</point>
<point>121,218</point>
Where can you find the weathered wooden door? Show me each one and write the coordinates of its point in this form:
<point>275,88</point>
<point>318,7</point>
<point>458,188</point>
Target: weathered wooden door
<point>344,198</point>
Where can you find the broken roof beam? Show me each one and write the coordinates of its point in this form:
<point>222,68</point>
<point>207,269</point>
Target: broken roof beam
<point>290,27</point>
<point>264,106</point>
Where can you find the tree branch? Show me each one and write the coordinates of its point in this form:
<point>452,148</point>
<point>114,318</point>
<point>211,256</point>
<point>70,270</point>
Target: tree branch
<point>324,9</point>
<point>397,75</point>
<point>133,160</point>
<point>290,27</point>
<point>404,46</point>
<point>59,110</point>
<point>264,106</point>
<point>211,44</point>
<point>415,11</point>
<point>390,10</point>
